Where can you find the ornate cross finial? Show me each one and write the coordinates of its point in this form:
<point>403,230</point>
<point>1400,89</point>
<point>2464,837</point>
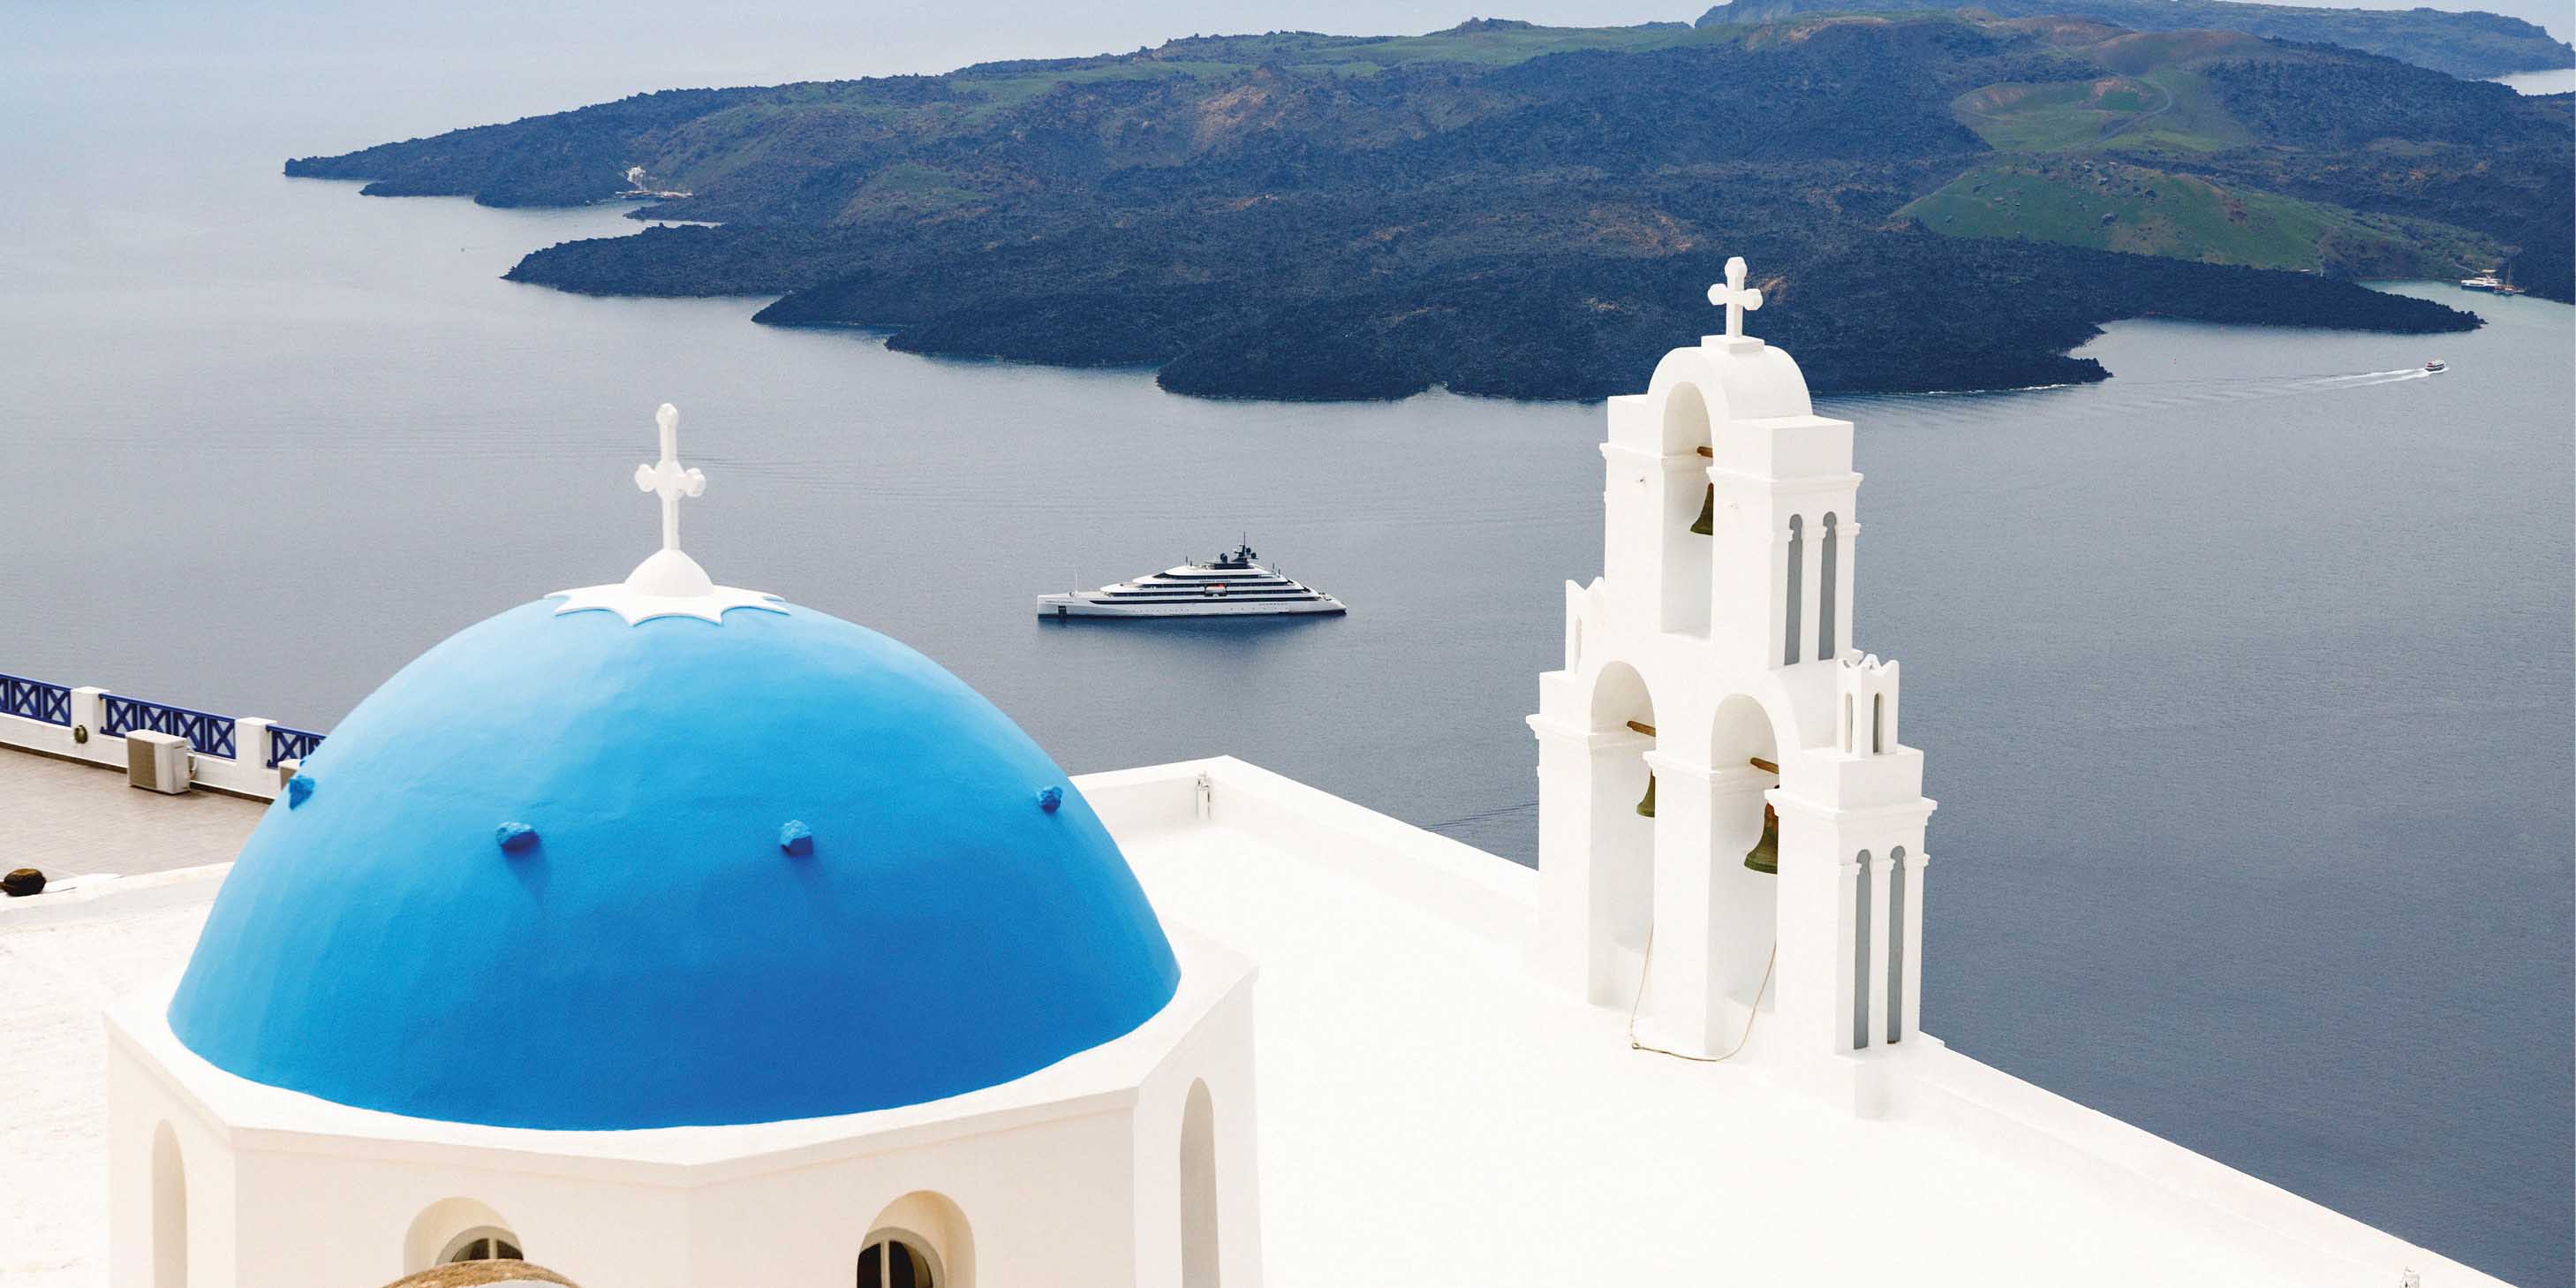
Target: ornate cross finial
<point>666,478</point>
<point>1736,296</point>
<point>668,583</point>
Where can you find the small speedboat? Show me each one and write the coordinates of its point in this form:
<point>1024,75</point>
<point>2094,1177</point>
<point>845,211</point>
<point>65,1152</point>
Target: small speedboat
<point>2435,367</point>
<point>1234,584</point>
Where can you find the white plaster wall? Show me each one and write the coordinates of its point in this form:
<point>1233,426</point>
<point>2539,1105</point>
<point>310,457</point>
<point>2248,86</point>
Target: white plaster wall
<point>139,1102</point>
<point>329,1212</point>
<point>1044,1204</point>
<point>1050,1202</point>
<point>270,1209</point>
<point>1037,1182</point>
<point>1456,882</point>
<point>1218,1052</point>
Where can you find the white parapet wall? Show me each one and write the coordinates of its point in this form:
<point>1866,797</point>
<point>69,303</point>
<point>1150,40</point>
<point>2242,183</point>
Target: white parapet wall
<point>1454,881</point>
<point>239,755</point>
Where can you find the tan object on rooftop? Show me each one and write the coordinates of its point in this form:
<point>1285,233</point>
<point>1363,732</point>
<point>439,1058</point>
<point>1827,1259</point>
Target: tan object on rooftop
<point>475,1274</point>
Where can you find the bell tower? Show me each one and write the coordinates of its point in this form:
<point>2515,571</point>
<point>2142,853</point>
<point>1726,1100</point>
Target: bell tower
<point>1730,833</point>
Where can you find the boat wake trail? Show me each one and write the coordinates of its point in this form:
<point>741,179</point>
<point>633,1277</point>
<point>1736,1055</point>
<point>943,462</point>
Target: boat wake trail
<point>2128,394</point>
<point>2360,380</point>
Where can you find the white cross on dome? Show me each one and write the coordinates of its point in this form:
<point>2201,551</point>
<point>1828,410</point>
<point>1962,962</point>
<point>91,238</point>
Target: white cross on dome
<point>668,583</point>
<point>666,478</point>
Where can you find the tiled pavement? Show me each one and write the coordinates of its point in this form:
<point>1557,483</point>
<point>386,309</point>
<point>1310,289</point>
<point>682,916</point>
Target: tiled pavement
<point>65,819</point>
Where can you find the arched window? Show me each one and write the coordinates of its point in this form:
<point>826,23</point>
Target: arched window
<point>898,1259</point>
<point>457,1229</point>
<point>1797,575</point>
<point>1825,597</point>
<point>1896,946</point>
<point>169,1211</point>
<point>1877,723</point>
<point>1622,826</point>
<point>1198,1190</point>
<point>482,1243</point>
<point>1689,506</point>
<point>920,1240</point>
<point>1860,959</point>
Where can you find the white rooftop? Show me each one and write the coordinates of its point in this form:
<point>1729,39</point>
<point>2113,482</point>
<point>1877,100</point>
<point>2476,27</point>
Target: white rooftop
<point>1430,1114</point>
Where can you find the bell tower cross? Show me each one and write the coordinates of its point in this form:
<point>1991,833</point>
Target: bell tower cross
<point>1737,298</point>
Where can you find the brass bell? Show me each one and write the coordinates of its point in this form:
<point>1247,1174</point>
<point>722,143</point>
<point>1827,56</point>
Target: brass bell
<point>1765,854</point>
<point>1646,804</point>
<point>1706,523</point>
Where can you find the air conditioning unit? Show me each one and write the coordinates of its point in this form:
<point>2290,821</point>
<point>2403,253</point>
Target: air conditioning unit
<point>156,761</point>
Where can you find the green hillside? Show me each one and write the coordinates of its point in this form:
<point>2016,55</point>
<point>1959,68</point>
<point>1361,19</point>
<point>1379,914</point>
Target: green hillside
<point>1509,209</point>
<point>2471,45</point>
<point>2165,108</point>
<point>2106,205</point>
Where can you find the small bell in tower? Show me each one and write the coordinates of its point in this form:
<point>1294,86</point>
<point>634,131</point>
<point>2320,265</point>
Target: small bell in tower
<point>1646,804</point>
<point>1765,854</point>
<point>1706,523</point>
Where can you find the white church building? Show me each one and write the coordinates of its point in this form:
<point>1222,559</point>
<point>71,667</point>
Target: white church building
<point>601,987</point>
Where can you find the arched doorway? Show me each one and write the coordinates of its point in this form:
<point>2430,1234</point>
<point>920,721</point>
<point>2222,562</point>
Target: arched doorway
<point>1687,552</point>
<point>1622,828</point>
<point>1744,751</point>
<point>169,1211</point>
<point>1199,1265</point>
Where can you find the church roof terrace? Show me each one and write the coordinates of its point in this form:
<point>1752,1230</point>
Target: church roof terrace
<point>1428,1114</point>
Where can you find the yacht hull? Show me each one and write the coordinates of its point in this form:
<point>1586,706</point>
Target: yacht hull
<point>1231,585</point>
<point>1076,606</point>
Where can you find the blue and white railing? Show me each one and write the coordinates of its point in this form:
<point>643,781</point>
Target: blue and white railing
<point>35,700</point>
<point>208,733</point>
<point>237,754</point>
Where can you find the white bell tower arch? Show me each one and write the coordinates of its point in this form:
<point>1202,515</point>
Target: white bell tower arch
<point>1719,665</point>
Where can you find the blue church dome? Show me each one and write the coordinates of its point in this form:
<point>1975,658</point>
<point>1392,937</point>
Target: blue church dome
<point>564,871</point>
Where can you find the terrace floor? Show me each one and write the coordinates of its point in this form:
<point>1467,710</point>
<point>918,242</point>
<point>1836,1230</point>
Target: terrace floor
<point>66,820</point>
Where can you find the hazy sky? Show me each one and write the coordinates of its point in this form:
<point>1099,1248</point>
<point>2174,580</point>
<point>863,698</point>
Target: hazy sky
<point>415,68</point>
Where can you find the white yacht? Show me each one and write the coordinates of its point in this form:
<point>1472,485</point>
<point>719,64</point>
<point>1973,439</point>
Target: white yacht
<point>1235,584</point>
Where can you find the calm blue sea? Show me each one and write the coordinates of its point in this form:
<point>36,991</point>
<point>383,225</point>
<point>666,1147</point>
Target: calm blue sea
<point>2245,677</point>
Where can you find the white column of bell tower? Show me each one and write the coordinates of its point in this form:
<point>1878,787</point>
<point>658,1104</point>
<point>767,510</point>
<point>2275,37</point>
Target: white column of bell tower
<point>1847,559</point>
<point>1776,478</point>
<point>1875,821</point>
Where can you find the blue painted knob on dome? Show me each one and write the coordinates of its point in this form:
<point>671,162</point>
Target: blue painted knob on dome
<point>515,838</point>
<point>796,838</point>
<point>1051,800</point>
